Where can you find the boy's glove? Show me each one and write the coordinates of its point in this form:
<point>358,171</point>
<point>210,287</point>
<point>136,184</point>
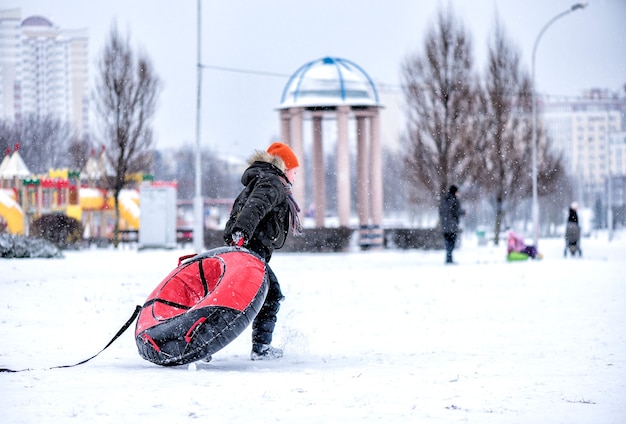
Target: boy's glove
<point>238,239</point>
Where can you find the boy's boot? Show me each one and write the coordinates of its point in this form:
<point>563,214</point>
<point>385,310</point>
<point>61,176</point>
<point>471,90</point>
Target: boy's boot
<point>261,352</point>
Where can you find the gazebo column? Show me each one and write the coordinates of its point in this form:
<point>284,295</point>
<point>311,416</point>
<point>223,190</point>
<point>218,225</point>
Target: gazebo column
<point>343,167</point>
<point>376,182</point>
<point>363,181</point>
<point>319,177</point>
<point>295,142</point>
<point>285,120</point>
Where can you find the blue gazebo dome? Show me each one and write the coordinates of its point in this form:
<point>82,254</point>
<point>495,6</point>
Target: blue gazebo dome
<point>39,21</point>
<point>329,82</point>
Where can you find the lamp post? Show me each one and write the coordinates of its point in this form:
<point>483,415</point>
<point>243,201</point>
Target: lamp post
<point>535,205</point>
<point>609,184</point>
<point>198,202</point>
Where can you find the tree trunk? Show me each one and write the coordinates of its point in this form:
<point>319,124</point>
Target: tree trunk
<point>116,227</point>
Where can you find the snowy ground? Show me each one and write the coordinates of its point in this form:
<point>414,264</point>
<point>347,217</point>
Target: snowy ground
<point>390,336</point>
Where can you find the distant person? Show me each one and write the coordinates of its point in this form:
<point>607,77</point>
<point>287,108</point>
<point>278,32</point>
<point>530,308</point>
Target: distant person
<point>449,213</point>
<point>518,250</point>
<point>572,232</point>
<point>260,220</point>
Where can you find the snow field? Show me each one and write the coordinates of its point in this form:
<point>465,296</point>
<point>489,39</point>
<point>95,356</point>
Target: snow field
<point>390,336</point>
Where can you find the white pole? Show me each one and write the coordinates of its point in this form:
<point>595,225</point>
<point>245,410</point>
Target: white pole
<point>198,202</point>
<point>609,191</point>
<point>535,201</point>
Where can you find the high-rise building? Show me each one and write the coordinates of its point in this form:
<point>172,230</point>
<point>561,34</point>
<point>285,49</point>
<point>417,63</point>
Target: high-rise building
<point>43,71</point>
<point>9,57</point>
<point>590,132</point>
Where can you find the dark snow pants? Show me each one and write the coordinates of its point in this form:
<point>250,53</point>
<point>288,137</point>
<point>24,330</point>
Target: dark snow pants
<point>450,240</point>
<point>264,323</point>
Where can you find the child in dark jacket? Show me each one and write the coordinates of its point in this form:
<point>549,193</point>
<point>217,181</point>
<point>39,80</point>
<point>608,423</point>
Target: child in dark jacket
<point>260,220</point>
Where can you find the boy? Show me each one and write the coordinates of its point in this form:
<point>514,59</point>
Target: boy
<point>260,220</point>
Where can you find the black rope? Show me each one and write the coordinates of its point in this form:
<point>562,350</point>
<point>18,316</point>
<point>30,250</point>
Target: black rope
<point>119,333</point>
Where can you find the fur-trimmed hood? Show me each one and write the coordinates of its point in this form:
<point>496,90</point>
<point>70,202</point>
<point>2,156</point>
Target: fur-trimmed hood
<point>264,211</point>
<point>263,156</point>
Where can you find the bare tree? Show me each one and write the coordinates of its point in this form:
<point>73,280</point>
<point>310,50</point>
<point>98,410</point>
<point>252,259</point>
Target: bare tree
<point>7,137</point>
<point>440,90</point>
<point>504,159</point>
<point>126,96</point>
<point>216,182</point>
<point>79,151</point>
<point>505,149</point>
<point>43,141</point>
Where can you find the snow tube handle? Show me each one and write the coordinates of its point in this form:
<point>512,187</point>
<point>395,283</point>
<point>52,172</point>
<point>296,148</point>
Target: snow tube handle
<point>182,258</point>
<point>192,329</point>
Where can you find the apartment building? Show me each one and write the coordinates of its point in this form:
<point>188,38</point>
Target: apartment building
<point>590,132</point>
<point>43,70</point>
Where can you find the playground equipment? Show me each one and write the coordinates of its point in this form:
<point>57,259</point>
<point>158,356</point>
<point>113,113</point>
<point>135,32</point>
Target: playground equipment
<point>24,197</point>
<point>11,214</point>
<point>56,192</point>
<point>12,168</point>
<point>98,212</point>
<point>129,207</point>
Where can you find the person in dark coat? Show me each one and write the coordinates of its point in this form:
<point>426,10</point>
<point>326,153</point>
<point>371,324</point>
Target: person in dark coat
<point>261,217</point>
<point>449,213</point>
<point>572,232</point>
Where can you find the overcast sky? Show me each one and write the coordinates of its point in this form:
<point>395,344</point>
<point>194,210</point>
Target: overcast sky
<point>273,38</point>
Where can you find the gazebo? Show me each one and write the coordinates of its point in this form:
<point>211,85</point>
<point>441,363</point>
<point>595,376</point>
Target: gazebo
<point>335,88</point>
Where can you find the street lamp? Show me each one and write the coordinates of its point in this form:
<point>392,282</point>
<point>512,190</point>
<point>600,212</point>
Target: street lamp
<point>535,205</point>
<point>609,192</point>
<point>198,202</point>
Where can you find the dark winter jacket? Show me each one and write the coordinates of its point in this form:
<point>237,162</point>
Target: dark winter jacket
<point>449,213</point>
<point>572,229</point>
<point>573,216</point>
<point>261,211</point>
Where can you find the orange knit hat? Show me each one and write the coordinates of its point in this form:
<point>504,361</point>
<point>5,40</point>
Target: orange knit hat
<point>285,153</point>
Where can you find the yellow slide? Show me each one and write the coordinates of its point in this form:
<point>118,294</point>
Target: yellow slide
<point>129,207</point>
<point>91,199</point>
<point>11,211</point>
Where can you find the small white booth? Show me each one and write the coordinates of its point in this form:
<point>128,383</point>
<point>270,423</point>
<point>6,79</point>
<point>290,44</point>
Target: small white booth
<point>158,217</point>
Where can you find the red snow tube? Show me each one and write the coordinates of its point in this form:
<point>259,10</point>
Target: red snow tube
<point>201,306</point>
